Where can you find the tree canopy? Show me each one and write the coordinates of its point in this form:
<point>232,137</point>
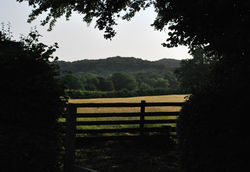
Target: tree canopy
<point>222,21</point>
<point>194,73</point>
<point>112,65</point>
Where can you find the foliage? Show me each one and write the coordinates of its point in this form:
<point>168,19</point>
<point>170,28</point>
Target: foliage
<point>194,72</point>
<point>123,81</point>
<point>98,75</point>
<point>31,101</point>
<point>211,23</point>
<point>212,127</point>
<point>104,11</point>
<point>119,84</point>
<point>105,84</point>
<point>71,81</point>
<point>108,66</point>
<point>90,81</point>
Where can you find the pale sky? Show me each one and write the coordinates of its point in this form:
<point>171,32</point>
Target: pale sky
<point>77,41</point>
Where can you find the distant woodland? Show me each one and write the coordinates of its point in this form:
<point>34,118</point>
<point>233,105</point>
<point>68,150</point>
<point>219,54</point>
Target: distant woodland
<point>119,77</point>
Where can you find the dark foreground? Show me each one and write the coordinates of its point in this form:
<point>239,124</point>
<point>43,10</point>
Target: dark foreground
<point>150,155</point>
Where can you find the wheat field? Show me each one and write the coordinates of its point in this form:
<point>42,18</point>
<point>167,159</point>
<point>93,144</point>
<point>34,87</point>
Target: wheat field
<point>162,98</point>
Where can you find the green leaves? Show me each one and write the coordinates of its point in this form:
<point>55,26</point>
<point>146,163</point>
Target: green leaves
<point>194,72</point>
<point>191,23</point>
<point>105,12</point>
<point>31,102</point>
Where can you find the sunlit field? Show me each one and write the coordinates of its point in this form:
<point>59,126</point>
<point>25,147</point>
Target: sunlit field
<point>163,98</point>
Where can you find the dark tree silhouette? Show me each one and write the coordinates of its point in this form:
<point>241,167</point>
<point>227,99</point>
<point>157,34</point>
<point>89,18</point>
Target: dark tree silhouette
<point>193,73</point>
<point>191,22</point>
<point>31,102</point>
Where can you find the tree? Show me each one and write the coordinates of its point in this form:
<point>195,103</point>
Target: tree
<point>193,73</point>
<point>31,102</point>
<point>123,81</point>
<point>90,81</point>
<point>161,83</point>
<point>144,86</point>
<point>71,81</point>
<point>105,84</point>
<point>172,80</point>
<point>214,23</point>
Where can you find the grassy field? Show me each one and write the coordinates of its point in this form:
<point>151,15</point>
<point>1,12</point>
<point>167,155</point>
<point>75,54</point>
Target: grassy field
<point>126,156</point>
<point>163,98</point>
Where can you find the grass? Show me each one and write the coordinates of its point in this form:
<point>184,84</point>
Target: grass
<point>162,98</point>
<point>155,155</point>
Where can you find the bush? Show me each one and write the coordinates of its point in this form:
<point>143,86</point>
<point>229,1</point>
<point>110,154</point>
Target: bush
<point>31,102</point>
<point>213,126</point>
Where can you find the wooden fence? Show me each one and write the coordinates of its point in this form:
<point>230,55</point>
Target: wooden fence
<point>75,135</point>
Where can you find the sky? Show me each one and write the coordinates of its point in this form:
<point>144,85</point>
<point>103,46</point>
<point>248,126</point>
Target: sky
<point>78,41</point>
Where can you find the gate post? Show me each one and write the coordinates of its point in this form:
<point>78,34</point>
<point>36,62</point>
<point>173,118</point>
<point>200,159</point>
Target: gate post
<point>143,102</point>
<point>70,138</point>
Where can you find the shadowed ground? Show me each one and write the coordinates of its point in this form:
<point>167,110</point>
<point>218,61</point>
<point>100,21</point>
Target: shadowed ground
<point>150,155</point>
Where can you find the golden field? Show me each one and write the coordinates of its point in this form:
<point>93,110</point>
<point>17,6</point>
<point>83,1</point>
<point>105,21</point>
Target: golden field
<point>162,98</point>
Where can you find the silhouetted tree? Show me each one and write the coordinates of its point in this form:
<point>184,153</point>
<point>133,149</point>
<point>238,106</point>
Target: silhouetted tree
<point>193,73</point>
<point>192,23</point>
<point>31,102</point>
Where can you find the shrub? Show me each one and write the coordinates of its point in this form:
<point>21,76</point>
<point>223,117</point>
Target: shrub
<point>31,102</point>
<point>213,125</point>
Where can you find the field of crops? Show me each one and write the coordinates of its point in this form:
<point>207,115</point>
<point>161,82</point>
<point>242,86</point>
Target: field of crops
<point>164,98</point>
<point>156,155</point>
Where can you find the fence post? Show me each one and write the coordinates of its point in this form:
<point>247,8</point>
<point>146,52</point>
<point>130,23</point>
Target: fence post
<point>142,118</point>
<point>70,138</point>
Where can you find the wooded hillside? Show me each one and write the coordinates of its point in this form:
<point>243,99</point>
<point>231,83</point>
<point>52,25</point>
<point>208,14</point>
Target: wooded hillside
<point>119,77</point>
<point>118,64</point>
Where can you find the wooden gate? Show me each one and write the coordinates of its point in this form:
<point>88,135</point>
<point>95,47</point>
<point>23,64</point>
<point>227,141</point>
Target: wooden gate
<point>78,129</point>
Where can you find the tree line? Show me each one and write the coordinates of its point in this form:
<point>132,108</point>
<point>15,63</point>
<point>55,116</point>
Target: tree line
<point>180,76</point>
<point>119,77</point>
<point>141,81</point>
<point>117,64</point>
